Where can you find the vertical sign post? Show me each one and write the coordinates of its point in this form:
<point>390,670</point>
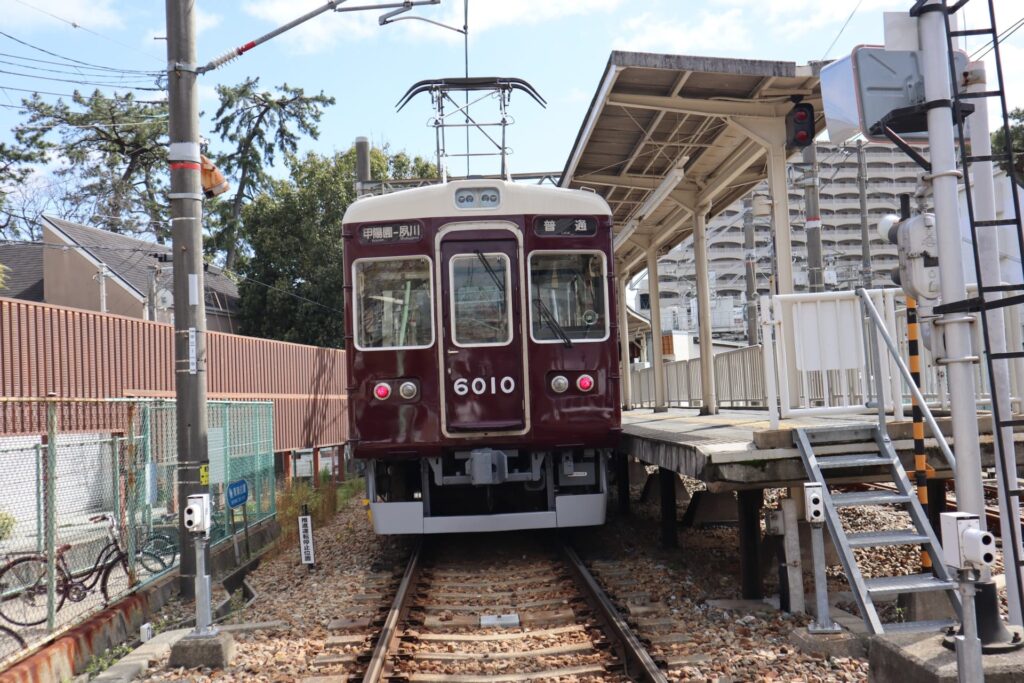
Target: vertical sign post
<point>306,552</point>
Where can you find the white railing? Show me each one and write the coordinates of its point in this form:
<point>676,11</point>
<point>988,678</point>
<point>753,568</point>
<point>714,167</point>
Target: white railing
<point>739,381</point>
<point>816,343</point>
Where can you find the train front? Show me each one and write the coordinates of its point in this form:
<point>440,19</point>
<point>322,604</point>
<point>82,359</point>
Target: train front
<point>482,356</point>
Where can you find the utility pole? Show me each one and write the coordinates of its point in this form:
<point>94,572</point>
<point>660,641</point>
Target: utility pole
<point>189,307</point>
<point>750,266</point>
<point>154,275</point>
<point>812,220</point>
<point>101,277</point>
<point>865,237</point>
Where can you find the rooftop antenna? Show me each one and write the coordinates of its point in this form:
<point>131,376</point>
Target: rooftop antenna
<point>492,87</point>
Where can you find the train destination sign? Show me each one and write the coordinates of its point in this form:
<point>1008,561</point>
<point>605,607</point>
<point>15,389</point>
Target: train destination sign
<point>565,227</point>
<point>387,234</point>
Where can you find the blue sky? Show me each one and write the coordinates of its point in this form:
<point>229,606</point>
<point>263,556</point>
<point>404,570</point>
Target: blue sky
<point>560,46</point>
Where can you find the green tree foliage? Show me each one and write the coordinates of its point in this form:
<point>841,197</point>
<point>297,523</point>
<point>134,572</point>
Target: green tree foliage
<point>1017,141</point>
<point>292,286</point>
<point>113,157</point>
<point>257,125</point>
<point>14,170</point>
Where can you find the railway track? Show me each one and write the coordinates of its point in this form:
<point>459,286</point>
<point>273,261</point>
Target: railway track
<point>991,491</point>
<point>468,614</point>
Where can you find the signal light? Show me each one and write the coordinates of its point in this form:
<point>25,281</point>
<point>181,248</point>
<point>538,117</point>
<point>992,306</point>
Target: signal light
<point>407,390</point>
<point>585,383</point>
<point>382,391</point>
<point>800,125</point>
<point>559,384</point>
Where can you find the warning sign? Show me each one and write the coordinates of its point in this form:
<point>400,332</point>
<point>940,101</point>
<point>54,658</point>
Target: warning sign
<point>204,474</point>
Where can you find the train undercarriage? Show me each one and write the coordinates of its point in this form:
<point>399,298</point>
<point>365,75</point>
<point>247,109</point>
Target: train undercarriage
<point>488,489</point>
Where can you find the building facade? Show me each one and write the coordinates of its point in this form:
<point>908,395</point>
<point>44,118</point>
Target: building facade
<point>890,173</point>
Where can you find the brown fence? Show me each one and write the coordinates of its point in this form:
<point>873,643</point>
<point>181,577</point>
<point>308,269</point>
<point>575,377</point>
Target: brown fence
<point>82,354</point>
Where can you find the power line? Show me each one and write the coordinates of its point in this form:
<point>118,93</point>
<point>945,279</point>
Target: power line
<point>75,24</point>
<point>72,80</point>
<point>845,24</point>
<point>64,94</point>
<point>54,54</point>
<point>82,65</point>
<point>990,45</point>
<point>79,71</point>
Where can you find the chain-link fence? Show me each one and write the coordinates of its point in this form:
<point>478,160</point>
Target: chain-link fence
<point>90,503</point>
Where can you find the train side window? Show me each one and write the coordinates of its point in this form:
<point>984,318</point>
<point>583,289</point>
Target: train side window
<point>480,299</point>
<point>394,303</point>
<point>568,296</point>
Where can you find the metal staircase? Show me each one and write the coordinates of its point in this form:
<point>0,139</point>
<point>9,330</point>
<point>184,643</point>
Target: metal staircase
<point>820,466</point>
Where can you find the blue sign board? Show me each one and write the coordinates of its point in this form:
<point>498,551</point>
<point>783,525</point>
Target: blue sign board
<point>238,493</point>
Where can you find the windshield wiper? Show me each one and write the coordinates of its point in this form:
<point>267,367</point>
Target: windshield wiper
<point>490,271</point>
<point>552,322</point>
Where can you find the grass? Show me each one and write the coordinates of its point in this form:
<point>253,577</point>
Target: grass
<point>101,662</point>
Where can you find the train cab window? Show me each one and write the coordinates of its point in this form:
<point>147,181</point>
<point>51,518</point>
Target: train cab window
<point>480,299</point>
<point>394,303</point>
<point>567,296</point>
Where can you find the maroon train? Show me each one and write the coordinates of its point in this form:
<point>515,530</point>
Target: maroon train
<point>482,356</point>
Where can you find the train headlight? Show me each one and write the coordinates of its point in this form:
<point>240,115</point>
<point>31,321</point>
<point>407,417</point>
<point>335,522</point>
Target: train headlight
<point>585,383</point>
<point>382,391</point>
<point>407,390</point>
<point>559,384</point>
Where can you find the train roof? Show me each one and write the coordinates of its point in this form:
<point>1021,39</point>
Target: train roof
<point>436,201</point>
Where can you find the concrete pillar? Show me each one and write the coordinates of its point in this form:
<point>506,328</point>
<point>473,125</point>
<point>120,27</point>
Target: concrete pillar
<point>622,479</point>
<point>667,493</point>
<point>779,189</point>
<point>626,383</point>
<point>749,505</point>
<point>709,406</point>
<point>658,363</point>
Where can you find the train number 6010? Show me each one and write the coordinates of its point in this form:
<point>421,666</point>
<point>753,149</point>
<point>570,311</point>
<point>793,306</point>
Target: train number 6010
<point>480,385</point>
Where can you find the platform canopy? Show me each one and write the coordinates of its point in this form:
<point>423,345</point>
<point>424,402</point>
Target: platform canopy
<point>668,135</point>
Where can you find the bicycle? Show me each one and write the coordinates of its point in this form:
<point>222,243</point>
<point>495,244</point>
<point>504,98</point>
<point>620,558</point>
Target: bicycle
<point>23,581</point>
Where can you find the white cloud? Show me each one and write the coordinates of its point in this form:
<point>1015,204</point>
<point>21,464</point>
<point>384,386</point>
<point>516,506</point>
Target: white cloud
<point>94,14</point>
<point>721,32</point>
<point>206,20</point>
<point>320,33</point>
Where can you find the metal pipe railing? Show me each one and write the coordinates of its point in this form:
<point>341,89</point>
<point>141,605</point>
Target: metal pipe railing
<point>879,326</point>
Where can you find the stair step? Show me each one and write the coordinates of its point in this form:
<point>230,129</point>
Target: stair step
<point>911,583</point>
<point>840,435</point>
<point>872,539</point>
<point>856,460</point>
<point>918,626</point>
<point>869,498</point>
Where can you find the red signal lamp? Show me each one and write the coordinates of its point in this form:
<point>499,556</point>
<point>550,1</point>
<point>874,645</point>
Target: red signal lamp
<point>585,383</point>
<point>382,391</point>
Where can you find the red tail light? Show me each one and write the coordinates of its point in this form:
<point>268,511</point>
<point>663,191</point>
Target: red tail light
<point>585,383</point>
<point>382,391</point>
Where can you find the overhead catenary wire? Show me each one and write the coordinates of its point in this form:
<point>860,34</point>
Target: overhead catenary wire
<point>76,25</point>
<point>81,82</point>
<point>80,94</point>
<point>78,64</point>
<point>990,45</point>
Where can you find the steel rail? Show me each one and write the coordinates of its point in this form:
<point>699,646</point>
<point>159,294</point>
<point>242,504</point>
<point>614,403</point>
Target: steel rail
<point>389,631</point>
<point>638,660</point>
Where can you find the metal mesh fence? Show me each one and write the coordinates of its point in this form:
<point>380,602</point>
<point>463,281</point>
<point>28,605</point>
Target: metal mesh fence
<point>89,502</point>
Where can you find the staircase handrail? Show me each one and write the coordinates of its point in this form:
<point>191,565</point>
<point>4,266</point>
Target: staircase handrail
<point>879,326</point>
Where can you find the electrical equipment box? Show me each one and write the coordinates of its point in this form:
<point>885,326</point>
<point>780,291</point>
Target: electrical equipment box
<point>197,514</point>
<point>964,544</point>
<point>814,504</point>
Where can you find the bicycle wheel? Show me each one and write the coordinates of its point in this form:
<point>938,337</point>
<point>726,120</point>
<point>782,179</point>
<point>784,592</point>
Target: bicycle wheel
<point>163,547</point>
<point>151,562</point>
<point>23,591</point>
<point>115,582</point>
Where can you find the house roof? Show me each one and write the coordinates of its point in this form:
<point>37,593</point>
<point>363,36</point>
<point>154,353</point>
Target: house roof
<point>23,277</point>
<point>131,260</point>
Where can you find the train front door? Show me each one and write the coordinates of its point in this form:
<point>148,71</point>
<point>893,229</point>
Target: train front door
<point>482,347</point>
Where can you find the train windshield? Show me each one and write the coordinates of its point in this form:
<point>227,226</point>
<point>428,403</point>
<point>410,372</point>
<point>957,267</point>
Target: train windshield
<point>393,303</point>
<point>567,296</point>
<point>480,299</point>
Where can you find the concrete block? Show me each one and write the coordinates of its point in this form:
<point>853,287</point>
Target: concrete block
<point>925,606</point>
<point>841,644</point>
<point>922,658</point>
<point>212,652</point>
<point>707,508</point>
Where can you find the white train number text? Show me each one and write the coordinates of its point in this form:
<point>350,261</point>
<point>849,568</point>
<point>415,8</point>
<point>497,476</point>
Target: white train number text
<point>484,385</point>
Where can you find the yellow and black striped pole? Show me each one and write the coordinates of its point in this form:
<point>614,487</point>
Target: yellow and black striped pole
<point>920,460</point>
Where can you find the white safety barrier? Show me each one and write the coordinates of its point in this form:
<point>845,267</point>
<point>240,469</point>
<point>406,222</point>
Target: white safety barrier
<point>739,381</point>
<point>816,344</point>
